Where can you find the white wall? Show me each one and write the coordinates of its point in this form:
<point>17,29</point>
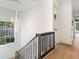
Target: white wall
<point>8,50</point>
<point>35,20</point>
<point>66,22</point>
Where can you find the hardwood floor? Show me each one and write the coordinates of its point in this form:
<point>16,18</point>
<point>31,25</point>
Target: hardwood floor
<point>13,58</point>
<point>63,51</point>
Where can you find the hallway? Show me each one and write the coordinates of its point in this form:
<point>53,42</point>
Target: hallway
<point>63,51</point>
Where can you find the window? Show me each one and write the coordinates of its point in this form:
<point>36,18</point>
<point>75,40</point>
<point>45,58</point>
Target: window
<point>77,24</point>
<point>6,32</point>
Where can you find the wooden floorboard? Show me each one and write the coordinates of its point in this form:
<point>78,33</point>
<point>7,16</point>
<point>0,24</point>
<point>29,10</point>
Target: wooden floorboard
<point>63,51</point>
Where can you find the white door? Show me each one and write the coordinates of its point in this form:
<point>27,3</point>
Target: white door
<point>63,22</point>
<point>66,22</point>
<point>56,25</point>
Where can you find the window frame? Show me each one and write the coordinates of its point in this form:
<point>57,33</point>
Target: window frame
<point>75,27</point>
<point>13,36</point>
<point>75,22</point>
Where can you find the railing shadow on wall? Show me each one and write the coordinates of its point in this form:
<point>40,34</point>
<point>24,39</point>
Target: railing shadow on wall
<point>38,47</point>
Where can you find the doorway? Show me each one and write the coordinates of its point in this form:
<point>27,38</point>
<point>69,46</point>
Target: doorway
<point>75,6</point>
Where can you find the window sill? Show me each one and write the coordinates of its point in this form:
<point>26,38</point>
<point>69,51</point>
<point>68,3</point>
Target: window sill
<point>8,44</point>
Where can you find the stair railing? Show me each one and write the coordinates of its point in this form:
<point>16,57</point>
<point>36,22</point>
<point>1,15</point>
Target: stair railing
<point>38,47</point>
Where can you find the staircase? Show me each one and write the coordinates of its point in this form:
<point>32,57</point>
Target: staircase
<point>38,47</point>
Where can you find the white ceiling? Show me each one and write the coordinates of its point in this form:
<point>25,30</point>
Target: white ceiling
<point>75,4</point>
<point>29,4</point>
<point>16,6</point>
